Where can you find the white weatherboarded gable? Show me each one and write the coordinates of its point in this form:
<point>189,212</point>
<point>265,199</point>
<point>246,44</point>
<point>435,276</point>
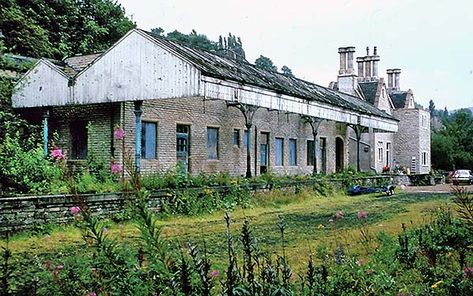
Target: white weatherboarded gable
<point>136,68</point>
<point>43,85</point>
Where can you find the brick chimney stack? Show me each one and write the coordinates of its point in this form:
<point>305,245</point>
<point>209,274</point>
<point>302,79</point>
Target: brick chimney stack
<point>347,81</point>
<point>394,79</point>
<point>368,65</point>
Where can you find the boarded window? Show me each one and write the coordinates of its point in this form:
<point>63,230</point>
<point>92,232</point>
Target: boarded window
<point>148,140</point>
<point>279,151</point>
<point>236,137</point>
<point>79,135</point>
<point>310,152</point>
<point>292,152</point>
<point>212,143</point>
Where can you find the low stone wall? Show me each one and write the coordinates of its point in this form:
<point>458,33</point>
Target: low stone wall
<point>27,212</point>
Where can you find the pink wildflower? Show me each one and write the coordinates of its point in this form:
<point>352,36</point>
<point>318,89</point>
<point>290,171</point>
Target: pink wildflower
<point>92,294</point>
<point>339,215</point>
<point>116,168</point>
<point>215,273</point>
<point>468,271</point>
<point>119,134</point>
<point>74,210</point>
<point>47,264</point>
<point>59,267</point>
<point>362,215</point>
<point>57,154</point>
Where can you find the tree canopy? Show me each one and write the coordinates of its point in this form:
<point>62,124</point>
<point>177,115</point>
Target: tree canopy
<point>55,29</point>
<point>265,63</point>
<point>452,145</point>
<point>287,71</point>
<point>229,44</point>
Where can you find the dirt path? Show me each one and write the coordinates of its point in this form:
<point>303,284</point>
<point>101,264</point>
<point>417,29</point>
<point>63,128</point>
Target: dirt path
<point>439,188</point>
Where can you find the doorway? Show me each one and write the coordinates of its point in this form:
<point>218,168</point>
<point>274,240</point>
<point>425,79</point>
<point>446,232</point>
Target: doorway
<point>182,146</point>
<point>264,153</point>
<point>339,153</point>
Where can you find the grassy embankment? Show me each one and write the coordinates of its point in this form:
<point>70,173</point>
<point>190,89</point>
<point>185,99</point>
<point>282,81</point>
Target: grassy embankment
<point>306,217</point>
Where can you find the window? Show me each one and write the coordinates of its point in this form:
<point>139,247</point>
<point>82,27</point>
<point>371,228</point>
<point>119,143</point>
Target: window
<point>212,143</point>
<point>236,137</point>
<point>279,161</point>
<point>245,139</point>
<point>148,140</point>
<point>388,154</point>
<point>424,158</point>
<point>380,151</point>
<point>310,152</point>
<point>79,135</point>
<point>292,152</point>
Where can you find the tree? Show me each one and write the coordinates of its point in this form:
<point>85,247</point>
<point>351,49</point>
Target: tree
<point>432,110</point>
<point>452,146</point>
<point>231,44</point>
<point>287,71</point>
<point>265,63</point>
<point>157,31</point>
<point>193,39</point>
<point>55,29</point>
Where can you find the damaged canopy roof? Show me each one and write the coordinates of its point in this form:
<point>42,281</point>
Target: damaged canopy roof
<point>214,65</point>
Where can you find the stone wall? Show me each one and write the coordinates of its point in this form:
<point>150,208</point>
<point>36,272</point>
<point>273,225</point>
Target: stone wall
<point>30,212</point>
<point>413,139</point>
<point>200,114</point>
<point>19,213</point>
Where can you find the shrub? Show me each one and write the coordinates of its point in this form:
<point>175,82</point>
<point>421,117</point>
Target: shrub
<point>26,170</point>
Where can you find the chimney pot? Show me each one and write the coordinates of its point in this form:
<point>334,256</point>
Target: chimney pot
<point>349,52</point>
<point>343,60</point>
<point>375,51</point>
<point>361,69</point>
<point>390,78</point>
<point>367,51</point>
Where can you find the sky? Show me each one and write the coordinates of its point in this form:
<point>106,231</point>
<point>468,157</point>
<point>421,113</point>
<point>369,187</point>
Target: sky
<point>431,41</point>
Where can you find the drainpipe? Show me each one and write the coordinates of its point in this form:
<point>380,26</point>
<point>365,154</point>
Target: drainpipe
<point>138,112</point>
<point>45,132</point>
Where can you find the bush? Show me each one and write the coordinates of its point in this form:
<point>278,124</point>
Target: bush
<point>27,170</point>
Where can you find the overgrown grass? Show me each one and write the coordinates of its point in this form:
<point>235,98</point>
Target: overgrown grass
<point>306,215</point>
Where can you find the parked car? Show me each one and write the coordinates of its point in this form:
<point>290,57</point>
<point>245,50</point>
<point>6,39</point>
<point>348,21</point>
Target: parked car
<point>462,176</point>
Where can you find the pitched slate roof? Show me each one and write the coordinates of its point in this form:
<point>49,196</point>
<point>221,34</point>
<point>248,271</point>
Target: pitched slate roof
<point>214,65</point>
<point>75,64</point>
<point>72,66</point>
<point>369,90</point>
<point>399,99</point>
